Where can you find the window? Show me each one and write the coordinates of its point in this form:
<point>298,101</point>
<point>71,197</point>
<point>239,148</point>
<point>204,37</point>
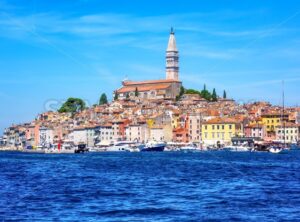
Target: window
<point>213,135</point>
<point>230,126</point>
<point>222,127</point>
<point>218,127</point>
<point>213,127</point>
<point>205,127</point>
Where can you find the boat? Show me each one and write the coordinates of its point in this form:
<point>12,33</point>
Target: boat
<point>65,148</point>
<point>31,149</point>
<point>58,151</point>
<point>122,146</point>
<point>189,148</point>
<point>280,146</point>
<point>154,146</point>
<point>81,148</point>
<point>237,148</point>
<point>97,149</point>
<point>274,149</point>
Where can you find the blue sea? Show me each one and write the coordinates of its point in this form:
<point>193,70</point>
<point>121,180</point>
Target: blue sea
<point>207,186</point>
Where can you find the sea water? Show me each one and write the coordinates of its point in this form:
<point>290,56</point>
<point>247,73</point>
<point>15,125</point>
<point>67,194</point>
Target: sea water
<point>215,186</point>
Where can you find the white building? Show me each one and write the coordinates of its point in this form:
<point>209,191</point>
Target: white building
<point>288,133</point>
<point>137,132</point>
<point>46,137</point>
<point>79,135</point>
<point>161,133</point>
<point>106,133</point>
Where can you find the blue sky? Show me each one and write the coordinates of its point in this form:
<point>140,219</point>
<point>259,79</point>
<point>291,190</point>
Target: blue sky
<point>52,50</point>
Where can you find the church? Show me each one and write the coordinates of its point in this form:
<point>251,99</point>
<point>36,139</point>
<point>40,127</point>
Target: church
<point>167,88</point>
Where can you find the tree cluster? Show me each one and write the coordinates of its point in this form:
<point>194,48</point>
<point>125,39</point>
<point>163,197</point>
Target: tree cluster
<point>204,93</point>
<point>72,105</point>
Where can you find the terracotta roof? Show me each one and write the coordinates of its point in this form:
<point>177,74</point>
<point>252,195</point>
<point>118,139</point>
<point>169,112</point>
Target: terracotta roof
<point>219,120</point>
<point>131,83</point>
<point>144,88</point>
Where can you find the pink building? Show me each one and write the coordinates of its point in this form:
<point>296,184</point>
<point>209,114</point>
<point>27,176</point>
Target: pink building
<point>255,130</point>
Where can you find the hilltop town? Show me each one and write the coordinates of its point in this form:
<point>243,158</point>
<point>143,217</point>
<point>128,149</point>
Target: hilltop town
<point>160,110</point>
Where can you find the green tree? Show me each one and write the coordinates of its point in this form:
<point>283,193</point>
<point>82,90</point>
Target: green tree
<point>192,91</point>
<point>72,105</point>
<point>181,92</point>
<point>136,93</point>
<point>127,96</point>
<point>103,99</point>
<point>224,95</point>
<point>205,94</point>
<point>214,97</point>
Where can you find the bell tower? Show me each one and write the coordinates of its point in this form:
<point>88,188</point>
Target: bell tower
<point>172,58</point>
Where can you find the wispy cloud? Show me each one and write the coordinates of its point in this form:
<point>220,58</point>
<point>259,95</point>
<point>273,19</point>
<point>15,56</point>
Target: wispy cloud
<point>91,25</point>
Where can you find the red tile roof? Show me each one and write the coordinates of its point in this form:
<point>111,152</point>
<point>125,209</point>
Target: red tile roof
<point>143,88</point>
<point>133,83</point>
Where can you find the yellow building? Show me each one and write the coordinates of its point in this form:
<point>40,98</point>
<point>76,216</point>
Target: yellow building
<point>220,131</point>
<point>272,120</point>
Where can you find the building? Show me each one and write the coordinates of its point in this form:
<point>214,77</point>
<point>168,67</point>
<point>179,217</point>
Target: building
<point>46,137</point>
<point>85,135</point>
<point>272,120</point>
<point>137,132</point>
<point>255,130</point>
<point>167,88</point>
<point>194,126</point>
<point>106,133</point>
<point>288,133</point>
<point>118,127</point>
<point>220,131</point>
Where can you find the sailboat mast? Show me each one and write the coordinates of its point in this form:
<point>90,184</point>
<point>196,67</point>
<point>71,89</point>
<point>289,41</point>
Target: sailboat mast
<point>283,107</point>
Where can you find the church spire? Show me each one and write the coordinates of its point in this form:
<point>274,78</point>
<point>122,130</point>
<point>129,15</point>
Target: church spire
<point>172,41</point>
<point>172,57</point>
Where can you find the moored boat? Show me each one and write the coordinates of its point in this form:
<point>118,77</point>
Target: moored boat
<point>274,149</point>
<point>154,146</point>
<point>237,148</point>
<point>122,146</point>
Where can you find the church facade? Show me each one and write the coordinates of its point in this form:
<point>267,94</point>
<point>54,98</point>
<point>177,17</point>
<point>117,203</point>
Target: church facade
<point>167,88</point>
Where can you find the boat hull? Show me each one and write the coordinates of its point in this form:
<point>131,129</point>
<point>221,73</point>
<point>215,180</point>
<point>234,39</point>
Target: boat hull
<point>154,149</point>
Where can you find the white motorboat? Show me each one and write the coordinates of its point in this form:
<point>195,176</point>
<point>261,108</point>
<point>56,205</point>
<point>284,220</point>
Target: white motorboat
<point>237,148</point>
<point>122,146</point>
<point>59,151</point>
<point>275,149</point>
<point>189,148</point>
<point>97,149</point>
<point>33,150</point>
